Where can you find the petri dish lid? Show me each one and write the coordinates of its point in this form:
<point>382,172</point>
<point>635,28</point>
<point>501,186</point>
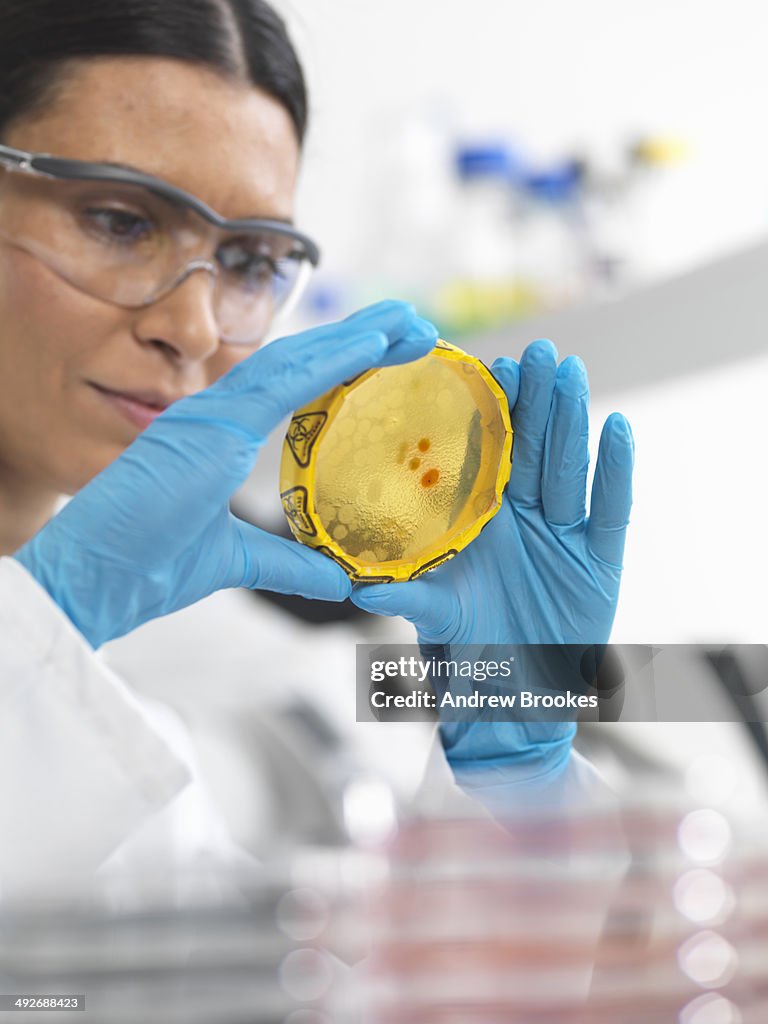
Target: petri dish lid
<point>396,471</point>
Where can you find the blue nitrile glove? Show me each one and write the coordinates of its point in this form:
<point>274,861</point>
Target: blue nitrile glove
<point>153,532</point>
<point>541,572</point>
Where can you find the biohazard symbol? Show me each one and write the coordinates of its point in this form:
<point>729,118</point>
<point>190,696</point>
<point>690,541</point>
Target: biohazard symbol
<point>295,508</point>
<point>433,564</point>
<point>302,434</point>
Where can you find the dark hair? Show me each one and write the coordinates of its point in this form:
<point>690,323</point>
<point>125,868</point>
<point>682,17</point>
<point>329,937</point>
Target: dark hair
<point>241,39</point>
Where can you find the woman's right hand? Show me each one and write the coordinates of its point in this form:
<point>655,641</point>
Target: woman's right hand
<point>153,532</point>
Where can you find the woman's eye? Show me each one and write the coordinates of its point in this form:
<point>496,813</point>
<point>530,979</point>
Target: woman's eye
<point>254,269</point>
<point>119,225</point>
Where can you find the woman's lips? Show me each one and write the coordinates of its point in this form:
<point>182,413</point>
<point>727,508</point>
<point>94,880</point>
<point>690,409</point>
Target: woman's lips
<point>139,407</point>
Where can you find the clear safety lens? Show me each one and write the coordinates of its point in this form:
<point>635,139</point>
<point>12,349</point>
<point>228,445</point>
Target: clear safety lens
<point>125,244</point>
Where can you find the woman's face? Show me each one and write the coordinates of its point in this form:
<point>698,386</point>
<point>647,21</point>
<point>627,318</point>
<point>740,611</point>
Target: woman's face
<point>69,362</point>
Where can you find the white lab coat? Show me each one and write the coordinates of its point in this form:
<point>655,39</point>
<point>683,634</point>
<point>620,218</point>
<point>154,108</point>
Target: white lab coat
<point>86,766</point>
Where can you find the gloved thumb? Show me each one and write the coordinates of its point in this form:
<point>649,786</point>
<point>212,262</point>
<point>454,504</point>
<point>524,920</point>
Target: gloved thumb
<point>287,567</point>
<point>434,611</point>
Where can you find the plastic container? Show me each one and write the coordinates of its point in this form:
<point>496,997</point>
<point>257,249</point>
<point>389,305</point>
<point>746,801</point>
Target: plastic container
<point>394,472</point>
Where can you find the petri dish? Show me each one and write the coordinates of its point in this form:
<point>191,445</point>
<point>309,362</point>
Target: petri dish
<point>396,471</point>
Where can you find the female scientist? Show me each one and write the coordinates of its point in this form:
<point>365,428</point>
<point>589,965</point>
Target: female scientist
<point>147,169</point>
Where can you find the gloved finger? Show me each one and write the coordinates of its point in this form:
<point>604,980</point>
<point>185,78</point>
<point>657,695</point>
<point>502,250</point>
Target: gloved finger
<point>397,321</point>
<point>434,611</point>
<point>287,567</point>
<point>409,334</point>
<point>264,388</point>
<point>611,491</point>
<point>507,373</point>
<point>412,344</point>
<point>538,368</point>
<point>415,330</point>
<point>566,449</point>
<point>278,380</point>
<point>383,308</point>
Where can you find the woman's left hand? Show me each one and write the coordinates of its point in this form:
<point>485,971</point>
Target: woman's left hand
<point>541,572</point>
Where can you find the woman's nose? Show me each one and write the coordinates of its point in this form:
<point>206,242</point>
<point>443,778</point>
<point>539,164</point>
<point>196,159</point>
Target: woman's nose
<point>183,321</point>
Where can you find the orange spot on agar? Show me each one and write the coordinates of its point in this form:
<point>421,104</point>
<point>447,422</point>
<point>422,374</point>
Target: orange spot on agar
<point>414,464</point>
<point>424,444</point>
<point>430,478</point>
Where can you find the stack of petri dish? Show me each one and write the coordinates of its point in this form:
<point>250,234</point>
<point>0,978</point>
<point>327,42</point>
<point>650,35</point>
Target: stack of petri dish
<point>634,918</point>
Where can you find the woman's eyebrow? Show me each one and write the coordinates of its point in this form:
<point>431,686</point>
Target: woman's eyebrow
<point>133,169</point>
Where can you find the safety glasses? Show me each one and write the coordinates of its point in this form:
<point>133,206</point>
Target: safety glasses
<point>130,238</point>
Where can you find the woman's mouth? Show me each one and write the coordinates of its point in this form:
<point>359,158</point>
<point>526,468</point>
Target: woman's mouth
<point>139,407</point>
